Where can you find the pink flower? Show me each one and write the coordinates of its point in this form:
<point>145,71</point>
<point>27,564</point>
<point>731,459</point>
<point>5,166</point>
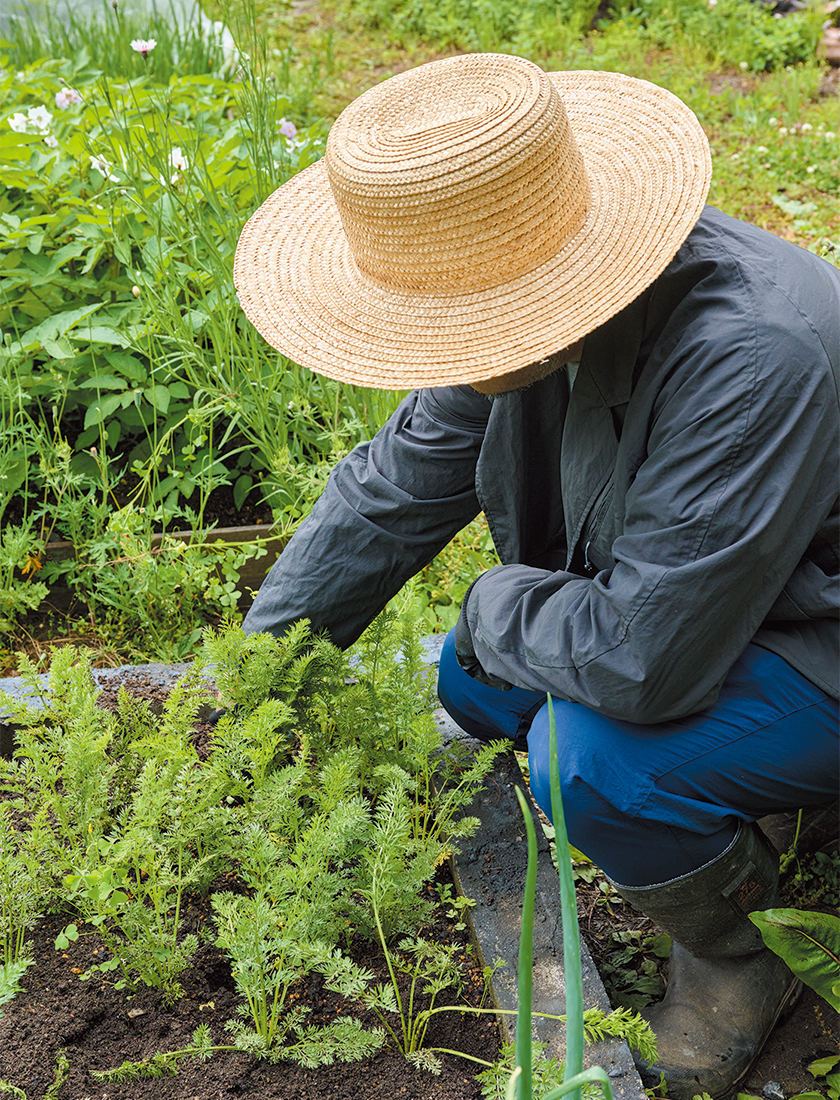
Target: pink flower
<point>287,129</point>
<point>143,46</point>
<point>67,97</point>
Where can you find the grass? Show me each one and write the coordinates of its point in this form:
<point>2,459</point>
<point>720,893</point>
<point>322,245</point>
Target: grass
<point>734,104</point>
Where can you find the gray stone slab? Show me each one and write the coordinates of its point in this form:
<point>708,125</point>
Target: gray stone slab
<point>490,869</point>
<point>16,688</point>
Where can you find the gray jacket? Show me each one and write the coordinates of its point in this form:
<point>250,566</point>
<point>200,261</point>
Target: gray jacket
<point>679,501</point>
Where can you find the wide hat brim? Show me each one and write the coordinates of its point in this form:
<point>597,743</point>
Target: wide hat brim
<point>648,166</point>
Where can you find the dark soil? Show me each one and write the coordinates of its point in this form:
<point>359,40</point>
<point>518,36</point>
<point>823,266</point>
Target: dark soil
<point>98,1027</point>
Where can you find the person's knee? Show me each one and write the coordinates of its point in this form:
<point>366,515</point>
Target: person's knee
<point>450,673</point>
<point>574,787</point>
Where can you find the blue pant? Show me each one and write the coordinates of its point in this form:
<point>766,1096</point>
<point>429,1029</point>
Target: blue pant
<point>648,803</point>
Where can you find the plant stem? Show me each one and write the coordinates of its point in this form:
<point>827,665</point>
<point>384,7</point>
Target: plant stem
<point>526,958</point>
<point>568,909</point>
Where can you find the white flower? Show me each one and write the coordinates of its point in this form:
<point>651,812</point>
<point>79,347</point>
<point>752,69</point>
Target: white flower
<point>743,66</point>
<point>771,121</point>
<point>20,77</point>
<point>811,168</point>
<point>783,130</point>
<point>761,148</point>
<point>806,126</point>
<point>830,134</point>
<point>177,160</point>
<point>103,167</point>
<point>143,46</point>
<point>287,129</point>
<point>50,141</point>
<point>40,118</point>
<point>67,97</point>
<point>735,156</point>
<point>37,120</point>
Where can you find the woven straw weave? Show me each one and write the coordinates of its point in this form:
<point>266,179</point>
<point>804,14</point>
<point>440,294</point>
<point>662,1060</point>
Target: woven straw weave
<point>471,217</point>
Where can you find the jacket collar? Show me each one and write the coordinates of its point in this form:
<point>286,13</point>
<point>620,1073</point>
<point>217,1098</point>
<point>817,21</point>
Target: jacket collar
<point>546,436</point>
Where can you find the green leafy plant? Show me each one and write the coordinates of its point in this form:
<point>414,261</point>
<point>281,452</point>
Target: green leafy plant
<point>809,942</point>
<point>826,1071</point>
<point>62,1070</point>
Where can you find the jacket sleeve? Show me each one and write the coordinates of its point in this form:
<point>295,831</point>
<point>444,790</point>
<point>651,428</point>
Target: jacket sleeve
<point>736,473</point>
<point>388,508</point>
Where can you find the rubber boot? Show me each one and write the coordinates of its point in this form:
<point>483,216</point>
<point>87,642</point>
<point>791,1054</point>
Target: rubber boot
<point>725,990</point>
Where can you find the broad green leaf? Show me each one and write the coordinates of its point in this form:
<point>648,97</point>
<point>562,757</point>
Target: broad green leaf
<point>823,1066</point>
<point>241,488</point>
<point>68,252</point>
<point>128,365</point>
<point>103,382</point>
<point>101,409</point>
<point>122,250</point>
<point>158,396</point>
<point>53,327</point>
<point>59,349</point>
<point>93,257</point>
<point>102,334</point>
<point>809,943</point>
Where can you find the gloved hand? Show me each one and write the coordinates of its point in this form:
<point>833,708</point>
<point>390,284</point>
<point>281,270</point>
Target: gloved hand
<point>465,651</point>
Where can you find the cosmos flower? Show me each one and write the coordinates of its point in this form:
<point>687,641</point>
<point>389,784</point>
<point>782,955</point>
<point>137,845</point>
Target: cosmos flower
<point>143,46</point>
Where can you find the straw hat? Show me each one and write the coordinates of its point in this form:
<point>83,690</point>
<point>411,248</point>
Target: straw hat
<point>471,217</point>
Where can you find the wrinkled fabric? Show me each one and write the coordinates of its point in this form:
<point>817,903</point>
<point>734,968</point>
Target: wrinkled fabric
<point>649,803</point>
<point>675,504</point>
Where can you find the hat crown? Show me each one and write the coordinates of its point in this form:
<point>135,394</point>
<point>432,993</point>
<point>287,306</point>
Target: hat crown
<point>457,176</point>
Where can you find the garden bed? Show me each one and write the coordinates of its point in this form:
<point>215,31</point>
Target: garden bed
<point>104,989</point>
<point>99,1027</point>
<point>251,572</point>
